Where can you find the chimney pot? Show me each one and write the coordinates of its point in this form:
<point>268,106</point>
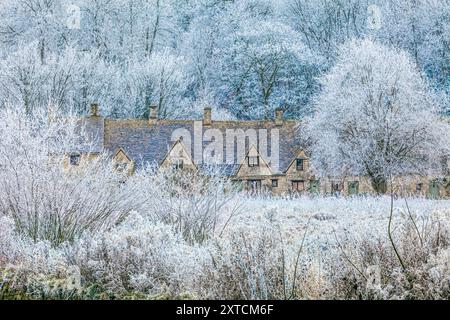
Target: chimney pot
<point>279,117</point>
<point>153,112</point>
<point>207,116</point>
<point>94,110</point>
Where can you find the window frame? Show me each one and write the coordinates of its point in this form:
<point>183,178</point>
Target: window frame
<point>255,164</point>
<point>178,164</point>
<point>297,183</point>
<point>353,184</point>
<point>121,166</point>
<point>300,167</point>
<point>74,163</point>
<point>274,183</point>
<point>339,184</point>
<point>313,182</point>
<point>254,184</point>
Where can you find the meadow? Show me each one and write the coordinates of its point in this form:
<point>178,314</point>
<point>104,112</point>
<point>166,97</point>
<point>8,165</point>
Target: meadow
<point>269,248</point>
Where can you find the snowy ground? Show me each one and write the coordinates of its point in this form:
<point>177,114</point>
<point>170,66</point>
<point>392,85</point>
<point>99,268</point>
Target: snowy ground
<point>324,218</point>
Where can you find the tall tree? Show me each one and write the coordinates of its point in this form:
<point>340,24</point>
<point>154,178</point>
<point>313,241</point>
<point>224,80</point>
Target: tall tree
<point>376,116</point>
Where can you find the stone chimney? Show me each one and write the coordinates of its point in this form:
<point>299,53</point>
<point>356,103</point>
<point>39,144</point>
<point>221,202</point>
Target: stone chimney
<point>153,115</point>
<point>207,116</point>
<point>94,110</point>
<point>279,117</point>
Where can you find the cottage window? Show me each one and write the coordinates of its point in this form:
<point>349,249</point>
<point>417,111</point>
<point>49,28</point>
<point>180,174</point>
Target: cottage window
<point>353,187</point>
<point>178,164</point>
<point>254,185</point>
<point>298,185</point>
<point>253,161</point>
<point>74,159</point>
<point>314,186</point>
<point>299,164</point>
<point>121,167</point>
<point>274,183</point>
<point>419,187</point>
<point>336,186</point>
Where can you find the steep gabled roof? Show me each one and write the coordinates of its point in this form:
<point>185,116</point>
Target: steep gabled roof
<point>253,152</point>
<point>148,142</point>
<point>301,154</point>
<point>122,151</point>
<point>186,154</point>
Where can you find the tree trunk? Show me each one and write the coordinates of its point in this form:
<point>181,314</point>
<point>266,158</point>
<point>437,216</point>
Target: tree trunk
<point>149,46</point>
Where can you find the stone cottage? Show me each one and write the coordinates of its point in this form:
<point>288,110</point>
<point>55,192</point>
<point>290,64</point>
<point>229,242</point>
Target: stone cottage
<point>265,155</point>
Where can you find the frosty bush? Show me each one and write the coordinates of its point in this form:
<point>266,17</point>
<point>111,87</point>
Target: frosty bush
<point>139,256</point>
<point>200,205</point>
<point>47,200</point>
<point>253,263</point>
<point>247,265</point>
<point>372,270</point>
<point>269,252</point>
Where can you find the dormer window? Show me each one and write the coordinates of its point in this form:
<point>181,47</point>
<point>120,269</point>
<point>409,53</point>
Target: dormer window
<point>299,164</point>
<point>74,159</point>
<point>253,161</point>
<point>177,164</point>
<point>121,167</point>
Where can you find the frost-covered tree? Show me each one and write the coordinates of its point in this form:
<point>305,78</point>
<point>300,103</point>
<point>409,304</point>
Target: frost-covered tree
<point>45,197</point>
<point>418,27</point>
<point>325,24</point>
<point>22,77</point>
<point>376,116</point>
<point>23,22</point>
<point>264,67</point>
<point>159,80</point>
<point>70,80</point>
<point>244,54</point>
<point>258,62</point>
<point>422,29</point>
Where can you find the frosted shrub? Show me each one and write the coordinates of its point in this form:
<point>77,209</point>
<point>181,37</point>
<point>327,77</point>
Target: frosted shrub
<point>6,246</point>
<point>139,257</point>
<point>256,262</point>
<point>199,205</point>
<point>245,267</point>
<point>32,270</point>
<point>424,251</point>
<point>47,200</point>
<point>269,252</point>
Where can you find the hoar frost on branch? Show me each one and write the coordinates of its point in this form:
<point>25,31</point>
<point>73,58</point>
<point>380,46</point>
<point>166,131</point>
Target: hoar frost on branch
<point>47,200</point>
<point>376,116</point>
<point>219,42</point>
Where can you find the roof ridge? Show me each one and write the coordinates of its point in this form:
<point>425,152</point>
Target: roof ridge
<point>184,121</point>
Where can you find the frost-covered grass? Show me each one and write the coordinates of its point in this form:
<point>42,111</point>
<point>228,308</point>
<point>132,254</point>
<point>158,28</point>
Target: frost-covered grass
<point>303,248</point>
<point>324,215</point>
